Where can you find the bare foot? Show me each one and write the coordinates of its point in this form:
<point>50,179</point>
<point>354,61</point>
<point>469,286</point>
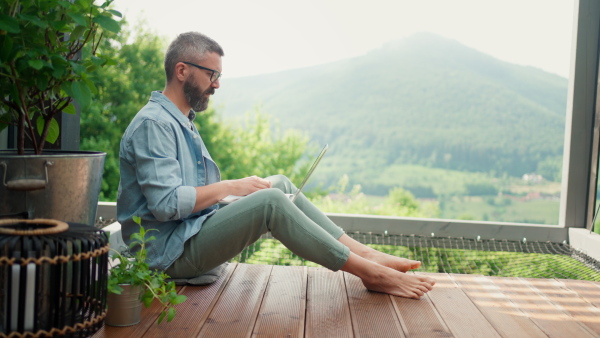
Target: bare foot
<point>377,277</point>
<point>396,263</point>
<point>399,284</point>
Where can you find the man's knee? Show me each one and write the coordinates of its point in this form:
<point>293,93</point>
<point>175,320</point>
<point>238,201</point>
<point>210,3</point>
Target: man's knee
<point>280,182</point>
<point>272,195</point>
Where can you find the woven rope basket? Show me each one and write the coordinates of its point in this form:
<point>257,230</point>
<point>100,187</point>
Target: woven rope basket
<point>53,278</point>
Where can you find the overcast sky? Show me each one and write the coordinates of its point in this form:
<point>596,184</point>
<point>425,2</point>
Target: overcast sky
<point>263,36</point>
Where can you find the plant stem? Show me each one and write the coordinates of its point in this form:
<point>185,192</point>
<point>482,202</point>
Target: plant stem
<point>20,136</point>
<point>23,114</point>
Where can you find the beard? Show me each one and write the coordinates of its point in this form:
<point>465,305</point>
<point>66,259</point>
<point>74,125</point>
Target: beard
<point>197,99</point>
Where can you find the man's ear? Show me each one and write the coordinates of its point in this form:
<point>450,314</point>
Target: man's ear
<point>181,71</point>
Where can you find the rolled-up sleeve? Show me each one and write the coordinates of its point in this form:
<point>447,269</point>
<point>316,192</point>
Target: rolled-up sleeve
<point>159,173</point>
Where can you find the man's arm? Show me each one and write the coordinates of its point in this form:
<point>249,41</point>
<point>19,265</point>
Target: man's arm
<point>210,194</point>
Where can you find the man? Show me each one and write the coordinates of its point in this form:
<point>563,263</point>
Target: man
<point>169,179</point>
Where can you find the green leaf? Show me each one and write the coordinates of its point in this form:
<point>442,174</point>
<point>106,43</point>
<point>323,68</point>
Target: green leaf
<point>171,314</point>
<point>111,62</point>
<point>108,23</point>
<point>136,236</point>
<point>66,87</point>
<point>161,317</point>
<point>65,4</point>
<point>34,20</point>
<point>178,300</point>
<point>42,81</point>
<point>155,284</point>
<point>58,69</point>
<point>147,298</point>
<point>82,94</point>
<point>78,18</point>
<point>53,130</point>
<point>77,33</point>
<point>77,67</point>
<point>6,44</point>
<point>70,109</point>
<point>36,64</point>
<point>137,219</point>
<point>9,24</point>
<point>91,85</point>
<point>115,289</point>
<point>115,13</point>
<point>59,25</point>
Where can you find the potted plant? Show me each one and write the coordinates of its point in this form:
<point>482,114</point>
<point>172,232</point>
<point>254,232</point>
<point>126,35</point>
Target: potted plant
<point>47,51</point>
<point>132,282</point>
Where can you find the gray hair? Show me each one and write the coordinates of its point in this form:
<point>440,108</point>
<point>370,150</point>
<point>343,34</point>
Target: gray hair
<point>190,46</point>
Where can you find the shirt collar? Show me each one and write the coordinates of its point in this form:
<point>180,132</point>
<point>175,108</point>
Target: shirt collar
<point>160,98</point>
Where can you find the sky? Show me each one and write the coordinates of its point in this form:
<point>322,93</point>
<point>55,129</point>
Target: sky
<point>265,36</point>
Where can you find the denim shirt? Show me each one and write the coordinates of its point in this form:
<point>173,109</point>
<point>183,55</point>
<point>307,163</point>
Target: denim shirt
<point>162,159</point>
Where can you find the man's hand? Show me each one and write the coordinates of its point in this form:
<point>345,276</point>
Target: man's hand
<point>248,185</point>
<point>210,194</point>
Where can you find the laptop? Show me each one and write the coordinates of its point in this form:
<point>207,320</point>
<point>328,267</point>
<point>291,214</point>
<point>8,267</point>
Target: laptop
<point>292,197</point>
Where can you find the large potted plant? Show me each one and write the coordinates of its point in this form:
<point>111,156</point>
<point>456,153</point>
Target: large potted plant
<point>47,52</point>
<point>131,282</point>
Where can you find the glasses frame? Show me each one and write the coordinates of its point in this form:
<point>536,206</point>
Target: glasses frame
<point>214,72</point>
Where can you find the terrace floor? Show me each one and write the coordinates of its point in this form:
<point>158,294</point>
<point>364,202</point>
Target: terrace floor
<point>290,301</point>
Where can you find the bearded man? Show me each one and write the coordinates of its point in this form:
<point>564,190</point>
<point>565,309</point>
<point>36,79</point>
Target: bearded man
<point>169,179</point>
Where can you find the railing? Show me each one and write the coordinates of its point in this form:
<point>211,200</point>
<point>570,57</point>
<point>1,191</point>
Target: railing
<point>579,238</point>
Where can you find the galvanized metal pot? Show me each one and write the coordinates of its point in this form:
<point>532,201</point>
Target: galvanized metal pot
<point>60,185</point>
<point>124,309</point>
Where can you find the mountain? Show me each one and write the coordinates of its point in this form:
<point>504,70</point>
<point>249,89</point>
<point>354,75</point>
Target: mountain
<point>423,100</point>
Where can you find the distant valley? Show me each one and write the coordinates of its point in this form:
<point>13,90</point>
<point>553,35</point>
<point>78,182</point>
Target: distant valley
<point>425,101</point>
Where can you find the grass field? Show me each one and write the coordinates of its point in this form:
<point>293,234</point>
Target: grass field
<point>540,211</point>
<point>451,194</point>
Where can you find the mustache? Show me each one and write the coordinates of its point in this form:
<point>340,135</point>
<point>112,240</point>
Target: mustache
<point>210,91</point>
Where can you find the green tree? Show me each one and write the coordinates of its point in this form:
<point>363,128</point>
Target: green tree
<point>399,202</point>
<point>401,198</point>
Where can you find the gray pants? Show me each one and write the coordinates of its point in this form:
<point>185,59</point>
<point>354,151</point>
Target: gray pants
<point>300,226</point>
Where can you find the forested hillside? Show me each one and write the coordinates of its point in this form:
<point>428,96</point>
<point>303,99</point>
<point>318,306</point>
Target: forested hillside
<point>423,100</point>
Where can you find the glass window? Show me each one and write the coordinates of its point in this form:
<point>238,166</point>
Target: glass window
<point>458,113</point>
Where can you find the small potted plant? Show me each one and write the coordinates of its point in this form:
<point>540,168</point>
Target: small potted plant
<point>131,282</point>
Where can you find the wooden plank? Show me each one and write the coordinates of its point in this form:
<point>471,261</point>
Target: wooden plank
<point>148,318</point>
<point>192,313</point>
<point>373,314</point>
<point>546,315</point>
<point>284,305</point>
<point>419,318</point>
<point>500,311</point>
<point>570,302</point>
<point>589,290</point>
<point>327,311</point>
<point>234,315</point>
<point>456,309</point>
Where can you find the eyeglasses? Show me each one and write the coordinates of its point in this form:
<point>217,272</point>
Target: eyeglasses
<point>215,73</point>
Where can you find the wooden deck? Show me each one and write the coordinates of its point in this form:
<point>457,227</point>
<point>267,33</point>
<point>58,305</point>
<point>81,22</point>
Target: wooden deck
<point>283,301</point>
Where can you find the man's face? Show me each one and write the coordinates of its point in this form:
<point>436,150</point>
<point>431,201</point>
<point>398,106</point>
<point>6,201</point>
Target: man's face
<point>197,98</point>
<point>198,86</point>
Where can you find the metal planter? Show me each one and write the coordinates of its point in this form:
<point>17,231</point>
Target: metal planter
<point>124,309</point>
<point>61,185</point>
